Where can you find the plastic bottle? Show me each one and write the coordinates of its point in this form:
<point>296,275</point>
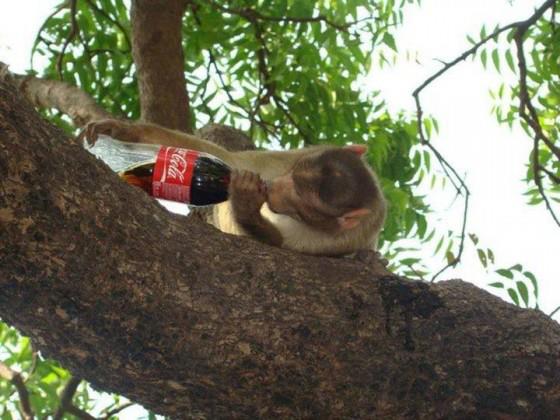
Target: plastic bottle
<point>169,173</point>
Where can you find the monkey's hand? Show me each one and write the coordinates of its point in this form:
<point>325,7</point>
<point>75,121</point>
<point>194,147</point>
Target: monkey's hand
<point>247,194</point>
<point>117,129</point>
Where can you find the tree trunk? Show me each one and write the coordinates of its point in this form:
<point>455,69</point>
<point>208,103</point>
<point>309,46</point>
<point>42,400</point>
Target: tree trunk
<point>194,323</point>
<point>158,56</point>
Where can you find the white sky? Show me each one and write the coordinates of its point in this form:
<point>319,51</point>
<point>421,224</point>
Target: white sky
<point>492,157</point>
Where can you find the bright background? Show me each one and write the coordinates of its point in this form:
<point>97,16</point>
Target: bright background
<point>492,157</point>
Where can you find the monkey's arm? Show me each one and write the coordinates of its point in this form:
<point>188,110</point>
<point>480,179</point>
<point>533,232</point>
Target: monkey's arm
<point>247,194</point>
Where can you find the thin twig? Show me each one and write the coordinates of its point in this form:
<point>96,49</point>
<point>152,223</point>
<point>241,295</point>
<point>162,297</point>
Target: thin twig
<point>553,178</point>
<point>419,275</point>
<point>117,410</point>
<point>554,312</point>
<point>38,37</point>
<point>113,21</point>
<point>66,397</point>
<point>457,181</point>
<point>71,36</point>
<point>214,63</point>
<point>81,414</point>
<point>524,23</point>
<point>280,103</point>
<point>34,359</point>
<point>15,378</point>
<point>531,118</point>
<point>253,15</point>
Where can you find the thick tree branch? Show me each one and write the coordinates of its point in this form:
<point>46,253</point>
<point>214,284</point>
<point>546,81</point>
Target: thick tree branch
<point>158,55</point>
<point>194,323</point>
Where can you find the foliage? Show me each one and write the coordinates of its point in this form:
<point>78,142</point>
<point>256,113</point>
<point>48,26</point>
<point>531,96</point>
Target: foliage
<point>531,54</point>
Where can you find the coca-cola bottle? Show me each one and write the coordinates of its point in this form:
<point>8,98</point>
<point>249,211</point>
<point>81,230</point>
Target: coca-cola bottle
<point>169,173</point>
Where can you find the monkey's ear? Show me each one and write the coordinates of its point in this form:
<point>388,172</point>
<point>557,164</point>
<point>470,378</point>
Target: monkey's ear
<point>359,149</point>
<point>352,218</point>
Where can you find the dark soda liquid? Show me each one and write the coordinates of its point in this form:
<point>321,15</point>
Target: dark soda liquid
<point>209,184</point>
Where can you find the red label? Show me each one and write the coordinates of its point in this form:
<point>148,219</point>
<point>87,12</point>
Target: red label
<point>173,173</point>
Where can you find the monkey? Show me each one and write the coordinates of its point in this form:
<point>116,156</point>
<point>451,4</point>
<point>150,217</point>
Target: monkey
<point>319,200</point>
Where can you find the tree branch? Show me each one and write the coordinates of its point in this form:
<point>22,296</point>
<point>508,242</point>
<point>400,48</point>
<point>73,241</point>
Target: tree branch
<point>16,379</point>
<point>532,118</point>
<point>252,114</point>
<point>158,54</point>
<point>115,22</point>
<point>74,29</point>
<point>66,398</point>
<point>117,410</point>
<point>253,16</point>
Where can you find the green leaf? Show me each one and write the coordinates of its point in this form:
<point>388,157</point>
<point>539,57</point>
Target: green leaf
<point>474,238</point>
<point>450,257</point>
<point>496,59</point>
<point>505,273</point>
<point>509,61</point>
<point>517,267</point>
<point>534,282</point>
<point>490,255</point>
<point>497,285</point>
<point>483,58</point>
<point>389,40</point>
<point>482,257</point>
<point>513,295</point>
<point>522,289</point>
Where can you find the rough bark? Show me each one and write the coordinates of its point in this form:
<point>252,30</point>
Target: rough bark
<point>159,60</point>
<point>43,93</point>
<point>194,323</point>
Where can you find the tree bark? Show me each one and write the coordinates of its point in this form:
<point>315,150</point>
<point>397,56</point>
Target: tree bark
<point>158,56</point>
<point>193,323</point>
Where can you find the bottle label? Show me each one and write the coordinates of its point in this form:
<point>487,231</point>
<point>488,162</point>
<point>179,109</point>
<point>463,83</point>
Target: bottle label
<point>173,174</point>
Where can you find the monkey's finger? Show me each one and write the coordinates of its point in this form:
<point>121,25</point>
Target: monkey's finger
<point>249,179</point>
<point>91,133</point>
<point>80,137</point>
<point>234,178</point>
<point>255,179</point>
<point>246,179</point>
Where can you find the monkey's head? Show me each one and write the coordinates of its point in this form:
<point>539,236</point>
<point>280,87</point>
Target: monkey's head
<point>331,190</point>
